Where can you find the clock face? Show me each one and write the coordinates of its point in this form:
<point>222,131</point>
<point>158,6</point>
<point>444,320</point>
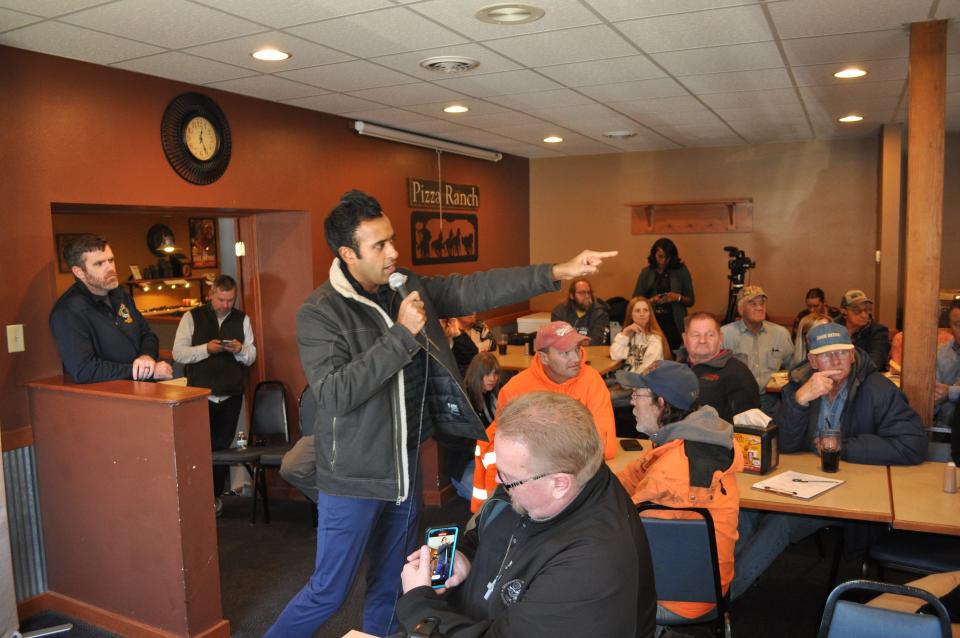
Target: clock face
<point>201,138</point>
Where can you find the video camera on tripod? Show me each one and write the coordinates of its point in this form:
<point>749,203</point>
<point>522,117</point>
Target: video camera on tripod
<point>738,264</point>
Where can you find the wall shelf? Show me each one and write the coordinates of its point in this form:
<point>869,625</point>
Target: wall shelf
<point>730,215</point>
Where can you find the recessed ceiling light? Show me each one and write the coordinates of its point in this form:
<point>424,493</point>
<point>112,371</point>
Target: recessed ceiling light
<point>509,13</point>
<point>852,72</point>
<point>853,117</point>
<point>456,108</point>
<point>619,135</point>
<point>270,54</point>
<point>553,139</point>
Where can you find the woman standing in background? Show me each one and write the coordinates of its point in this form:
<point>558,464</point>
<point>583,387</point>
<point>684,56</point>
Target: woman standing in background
<point>666,282</point>
<point>482,383</point>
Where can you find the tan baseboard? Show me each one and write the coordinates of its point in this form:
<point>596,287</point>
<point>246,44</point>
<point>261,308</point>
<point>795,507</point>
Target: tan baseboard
<point>108,620</point>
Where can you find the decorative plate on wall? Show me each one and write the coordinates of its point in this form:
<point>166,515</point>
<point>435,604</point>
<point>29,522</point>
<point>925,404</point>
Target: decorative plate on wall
<point>196,138</point>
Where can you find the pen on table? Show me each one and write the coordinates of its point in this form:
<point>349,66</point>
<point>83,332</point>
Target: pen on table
<point>776,491</point>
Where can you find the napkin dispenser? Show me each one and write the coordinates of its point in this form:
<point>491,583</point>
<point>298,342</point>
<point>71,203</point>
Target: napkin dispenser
<point>759,441</point>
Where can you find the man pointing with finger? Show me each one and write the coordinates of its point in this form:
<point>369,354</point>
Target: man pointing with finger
<point>384,379</point>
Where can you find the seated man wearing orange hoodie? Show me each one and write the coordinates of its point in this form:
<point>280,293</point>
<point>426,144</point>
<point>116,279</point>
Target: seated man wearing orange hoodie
<point>559,366</point>
<point>692,464</point>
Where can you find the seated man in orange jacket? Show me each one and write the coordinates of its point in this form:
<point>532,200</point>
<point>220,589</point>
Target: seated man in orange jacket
<point>692,464</point>
<point>559,366</point>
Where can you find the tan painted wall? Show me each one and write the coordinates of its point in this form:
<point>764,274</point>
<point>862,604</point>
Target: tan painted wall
<point>950,253</point>
<point>814,216</point>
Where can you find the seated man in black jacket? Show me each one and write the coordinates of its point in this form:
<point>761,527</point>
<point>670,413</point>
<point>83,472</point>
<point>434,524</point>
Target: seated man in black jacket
<point>871,337</point>
<point>588,315</point>
<point>726,383</point>
<point>99,331</point>
<point>569,558</point>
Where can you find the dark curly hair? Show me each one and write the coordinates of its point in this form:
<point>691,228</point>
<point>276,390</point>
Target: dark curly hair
<point>669,249</point>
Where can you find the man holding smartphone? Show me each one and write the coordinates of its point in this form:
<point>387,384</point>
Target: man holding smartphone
<point>569,557</point>
<point>215,341</point>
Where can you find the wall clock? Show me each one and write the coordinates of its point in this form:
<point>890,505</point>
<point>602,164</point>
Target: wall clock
<point>196,138</point>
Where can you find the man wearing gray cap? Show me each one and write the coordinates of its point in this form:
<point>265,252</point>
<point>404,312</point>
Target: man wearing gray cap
<point>871,337</point>
<point>692,464</point>
<point>764,346</point>
<point>840,388</point>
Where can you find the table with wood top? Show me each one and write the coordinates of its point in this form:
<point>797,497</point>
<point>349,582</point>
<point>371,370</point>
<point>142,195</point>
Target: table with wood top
<point>919,502</point>
<point>598,357</point>
<point>864,495</point>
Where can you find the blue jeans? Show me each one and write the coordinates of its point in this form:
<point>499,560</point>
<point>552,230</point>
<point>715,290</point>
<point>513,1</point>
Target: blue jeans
<point>346,529</point>
<point>763,537</point>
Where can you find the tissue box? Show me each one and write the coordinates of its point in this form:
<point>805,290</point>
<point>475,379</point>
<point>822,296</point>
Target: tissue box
<point>760,447</point>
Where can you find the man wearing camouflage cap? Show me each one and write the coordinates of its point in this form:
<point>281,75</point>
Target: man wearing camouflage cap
<point>871,337</point>
<point>764,346</point>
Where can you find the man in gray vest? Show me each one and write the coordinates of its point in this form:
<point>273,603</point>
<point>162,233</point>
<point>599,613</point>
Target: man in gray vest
<point>215,342</point>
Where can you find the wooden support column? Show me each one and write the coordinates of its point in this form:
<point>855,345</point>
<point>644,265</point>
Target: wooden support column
<point>889,225</point>
<point>925,149</point>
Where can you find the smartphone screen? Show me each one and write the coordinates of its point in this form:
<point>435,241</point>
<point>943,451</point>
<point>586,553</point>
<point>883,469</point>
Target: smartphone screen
<point>442,542</point>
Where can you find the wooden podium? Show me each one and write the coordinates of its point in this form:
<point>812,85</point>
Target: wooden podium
<point>123,471</point>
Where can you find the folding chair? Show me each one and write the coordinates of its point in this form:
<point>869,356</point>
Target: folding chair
<point>267,423</point>
<point>847,619</point>
<point>685,563</point>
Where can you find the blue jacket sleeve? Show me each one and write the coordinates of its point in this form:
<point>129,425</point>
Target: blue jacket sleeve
<point>793,420</point>
<point>885,429</point>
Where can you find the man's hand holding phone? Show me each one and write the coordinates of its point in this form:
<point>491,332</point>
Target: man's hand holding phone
<point>418,571</point>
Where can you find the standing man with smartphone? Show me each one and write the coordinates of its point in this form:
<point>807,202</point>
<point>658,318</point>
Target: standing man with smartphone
<point>384,378</point>
<point>215,341</point>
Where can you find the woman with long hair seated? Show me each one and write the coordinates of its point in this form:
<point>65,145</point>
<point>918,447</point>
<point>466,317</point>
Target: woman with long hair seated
<point>482,383</point>
<point>642,341</point>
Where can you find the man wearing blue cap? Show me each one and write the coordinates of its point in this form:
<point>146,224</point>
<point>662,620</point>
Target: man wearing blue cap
<point>692,464</point>
<point>840,388</point>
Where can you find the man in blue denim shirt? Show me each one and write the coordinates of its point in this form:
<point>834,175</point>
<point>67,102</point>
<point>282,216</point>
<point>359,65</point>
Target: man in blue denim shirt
<point>764,346</point>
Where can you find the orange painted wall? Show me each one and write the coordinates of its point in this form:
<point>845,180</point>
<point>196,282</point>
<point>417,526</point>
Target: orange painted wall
<point>80,133</point>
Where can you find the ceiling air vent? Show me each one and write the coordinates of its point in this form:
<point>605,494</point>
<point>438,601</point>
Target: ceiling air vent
<point>449,64</point>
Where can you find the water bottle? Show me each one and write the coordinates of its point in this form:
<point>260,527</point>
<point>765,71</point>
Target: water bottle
<point>241,440</point>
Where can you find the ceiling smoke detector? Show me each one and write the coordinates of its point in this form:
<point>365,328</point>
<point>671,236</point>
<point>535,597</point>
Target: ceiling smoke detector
<point>509,13</point>
<point>449,64</point>
<point>619,135</point>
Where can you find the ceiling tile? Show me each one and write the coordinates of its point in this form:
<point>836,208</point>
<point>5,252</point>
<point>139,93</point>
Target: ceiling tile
<point>531,134</point>
<point>499,120</point>
<point>541,99</point>
<point>408,94</point>
<point>504,83</point>
<point>409,63</point>
<point>692,120</point>
<point>948,9</point>
<point>348,76</point>
<point>459,16</point>
<point>776,135</point>
<point>267,87</point>
<point>185,68</point>
<point>953,64</point>
<point>48,8</point>
<point>388,116</point>
<point>750,98</point>
<point>736,25</point>
<point>866,91</point>
<point>15,19</point>
<point>563,47</point>
<point>877,70</point>
<point>738,57</point>
<point>738,81</point>
<point>877,45</point>
<point>173,23</point>
<point>238,51</point>
<point>615,10</point>
<point>809,18</point>
<point>291,12</point>
<point>644,108</point>
<point>56,38</point>
<point>383,32</point>
<point>336,103</point>
<point>597,127</point>
<point>563,114</point>
<point>768,113</point>
<point>625,91</point>
<point>630,68</point>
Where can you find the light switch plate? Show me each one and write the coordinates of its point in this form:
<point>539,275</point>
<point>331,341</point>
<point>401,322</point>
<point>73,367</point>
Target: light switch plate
<point>15,338</point>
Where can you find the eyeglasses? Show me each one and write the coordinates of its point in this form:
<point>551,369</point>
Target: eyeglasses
<point>839,354</point>
<point>510,486</point>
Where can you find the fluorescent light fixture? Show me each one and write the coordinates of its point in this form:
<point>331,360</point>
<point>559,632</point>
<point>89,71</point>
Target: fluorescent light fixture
<point>851,72</point>
<point>553,139</point>
<point>416,139</point>
<point>853,117</point>
<point>456,108</point>
<point>270,54</point>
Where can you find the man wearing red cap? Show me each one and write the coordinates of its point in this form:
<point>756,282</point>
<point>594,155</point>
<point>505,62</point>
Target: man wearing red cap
<point>559,366</point>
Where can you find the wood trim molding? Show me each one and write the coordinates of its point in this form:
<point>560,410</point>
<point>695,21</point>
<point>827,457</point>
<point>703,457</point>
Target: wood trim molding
<point>17,438</point>
<point>108,620</point>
